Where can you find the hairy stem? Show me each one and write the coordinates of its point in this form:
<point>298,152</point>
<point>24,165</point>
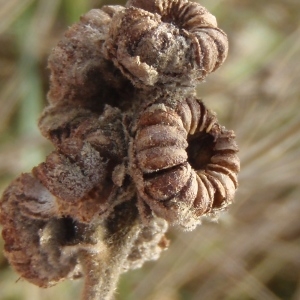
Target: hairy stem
<point>103,269</point>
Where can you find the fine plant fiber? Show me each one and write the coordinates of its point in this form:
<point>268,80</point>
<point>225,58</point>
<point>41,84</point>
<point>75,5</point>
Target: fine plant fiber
<point>253,251</point>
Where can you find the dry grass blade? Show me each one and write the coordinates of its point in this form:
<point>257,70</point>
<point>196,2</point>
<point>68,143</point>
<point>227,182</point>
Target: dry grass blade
<point>10,11</point>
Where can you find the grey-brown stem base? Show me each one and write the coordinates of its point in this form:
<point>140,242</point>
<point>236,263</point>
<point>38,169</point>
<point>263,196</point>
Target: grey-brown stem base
<point>103,268</point>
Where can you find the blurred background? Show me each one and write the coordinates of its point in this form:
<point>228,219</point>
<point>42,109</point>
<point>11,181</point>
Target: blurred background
<point>253,252</point>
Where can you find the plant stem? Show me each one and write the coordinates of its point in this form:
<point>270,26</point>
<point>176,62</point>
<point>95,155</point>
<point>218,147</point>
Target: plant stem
<point>103,269</point>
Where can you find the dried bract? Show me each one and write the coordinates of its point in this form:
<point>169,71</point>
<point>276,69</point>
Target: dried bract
<point>135,150</point>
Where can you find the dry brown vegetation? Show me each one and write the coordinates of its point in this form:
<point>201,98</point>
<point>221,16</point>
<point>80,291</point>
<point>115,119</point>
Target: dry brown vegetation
<point>254,250</point>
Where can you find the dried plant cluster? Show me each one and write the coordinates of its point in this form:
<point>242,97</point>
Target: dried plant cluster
<point>135,149</point>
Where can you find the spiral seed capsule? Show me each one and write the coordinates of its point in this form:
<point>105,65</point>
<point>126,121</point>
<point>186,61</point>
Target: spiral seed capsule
<point>33,234</point>
<point>186,163</point>
<point>165,41</point>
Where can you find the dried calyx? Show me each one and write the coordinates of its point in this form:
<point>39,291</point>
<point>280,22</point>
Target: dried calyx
<point>135,150</point>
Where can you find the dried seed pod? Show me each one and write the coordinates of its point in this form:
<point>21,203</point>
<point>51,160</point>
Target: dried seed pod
<point>80,172</point>
<point>72,181</point>
<point>79,73</point>
<point>33,234</point>
<point>104,132</point>
<point>185,164</point>
<point>41,211</point>
<point>165,41</point>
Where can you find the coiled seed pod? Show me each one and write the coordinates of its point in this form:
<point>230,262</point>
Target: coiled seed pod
<point>33,234</point>
<point>165,41</point>
<point>185,163</point>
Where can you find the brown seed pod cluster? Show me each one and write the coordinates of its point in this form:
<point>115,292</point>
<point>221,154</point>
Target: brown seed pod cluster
<point>135,150</point>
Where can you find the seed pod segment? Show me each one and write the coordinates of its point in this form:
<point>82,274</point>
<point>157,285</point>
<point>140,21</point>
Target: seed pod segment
<point>185,163</point>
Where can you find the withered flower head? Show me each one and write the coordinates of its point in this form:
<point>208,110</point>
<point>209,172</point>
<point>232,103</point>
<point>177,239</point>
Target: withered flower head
<point>135,149</point>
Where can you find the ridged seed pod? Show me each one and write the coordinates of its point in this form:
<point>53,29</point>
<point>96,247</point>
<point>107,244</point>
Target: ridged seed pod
<point>33,235</point>
<point>185,163</point>
<point>165,41</point>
